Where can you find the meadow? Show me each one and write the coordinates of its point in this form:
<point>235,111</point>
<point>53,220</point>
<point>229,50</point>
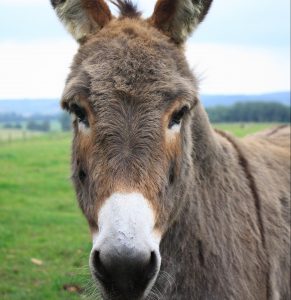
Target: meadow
<point>9,135</point>
<point>44,240</point>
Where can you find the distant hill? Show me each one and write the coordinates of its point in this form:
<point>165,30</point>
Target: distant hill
<point>30,107</point>
<point>52,106</point>
<point>226,100</point>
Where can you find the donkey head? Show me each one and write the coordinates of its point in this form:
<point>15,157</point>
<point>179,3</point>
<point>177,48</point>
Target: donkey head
<point>132,96</point>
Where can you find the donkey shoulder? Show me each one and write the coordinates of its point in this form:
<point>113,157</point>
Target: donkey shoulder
<point>278,135</point>
<point>268,156</point>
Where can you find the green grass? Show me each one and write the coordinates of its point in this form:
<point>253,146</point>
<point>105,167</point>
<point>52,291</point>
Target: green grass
<point>40,219</point>
<point>243,129</point>
<point>8,135</point>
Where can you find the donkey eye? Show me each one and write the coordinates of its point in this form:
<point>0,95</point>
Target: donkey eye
<point>80,113</point>
<point>177,116</point>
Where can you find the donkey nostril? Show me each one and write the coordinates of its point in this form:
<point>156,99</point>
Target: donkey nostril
<point>153,260</point>
<point>99,269</point>
<point>152,266</point>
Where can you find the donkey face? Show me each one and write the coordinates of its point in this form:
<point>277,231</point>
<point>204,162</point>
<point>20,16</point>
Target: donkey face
<point>131,94</point>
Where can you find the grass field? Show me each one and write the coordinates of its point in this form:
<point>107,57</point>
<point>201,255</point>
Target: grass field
<point>243,129</point>
<point>8,135</point>
<point>44,240</point>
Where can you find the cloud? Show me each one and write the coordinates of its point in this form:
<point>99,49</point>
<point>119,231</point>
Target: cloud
<point>228,53</point>
<point>34,70</point>
<point>24,2</point>
<point>230,69</point>
<point>39,69</point>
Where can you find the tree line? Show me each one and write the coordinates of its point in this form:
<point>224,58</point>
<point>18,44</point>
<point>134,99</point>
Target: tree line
<point>250,112</point>
<point>239,112</point>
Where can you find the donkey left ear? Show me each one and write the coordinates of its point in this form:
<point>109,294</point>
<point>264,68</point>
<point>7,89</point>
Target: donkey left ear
<point>179,18</point>
<point>82,17</point>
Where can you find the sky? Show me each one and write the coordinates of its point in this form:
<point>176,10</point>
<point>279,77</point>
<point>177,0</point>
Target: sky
<point>242,47</point>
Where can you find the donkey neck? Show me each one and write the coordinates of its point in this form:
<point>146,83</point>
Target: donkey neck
<point>210,155</point>
<point>208,158</point>
<point>207,148</point>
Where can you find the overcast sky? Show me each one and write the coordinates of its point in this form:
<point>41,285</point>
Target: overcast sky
<point>242,47</point>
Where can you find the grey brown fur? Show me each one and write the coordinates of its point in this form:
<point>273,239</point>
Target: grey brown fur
<point>225,214</point>
<point>185,16</point>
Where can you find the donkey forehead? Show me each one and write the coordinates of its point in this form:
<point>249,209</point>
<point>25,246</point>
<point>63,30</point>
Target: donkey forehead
<point>132,40</point>
<point>139,63</point>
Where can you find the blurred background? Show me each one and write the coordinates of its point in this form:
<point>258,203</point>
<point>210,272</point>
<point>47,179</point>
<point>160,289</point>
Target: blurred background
<point>241,53</point>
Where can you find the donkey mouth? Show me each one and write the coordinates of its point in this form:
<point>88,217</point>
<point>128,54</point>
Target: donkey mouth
<point>126,283</point>
<point>118,295</point>
<point>134,293</point>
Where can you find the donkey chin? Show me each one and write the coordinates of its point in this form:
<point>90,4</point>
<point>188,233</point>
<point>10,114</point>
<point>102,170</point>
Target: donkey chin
<point>125,259</point>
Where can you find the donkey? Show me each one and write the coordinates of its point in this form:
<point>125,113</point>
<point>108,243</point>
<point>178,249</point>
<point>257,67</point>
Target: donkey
<point>176,209</point>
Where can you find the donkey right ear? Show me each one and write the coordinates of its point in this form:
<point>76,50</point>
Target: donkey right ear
<point>82,17</point>
<point>179,18</point>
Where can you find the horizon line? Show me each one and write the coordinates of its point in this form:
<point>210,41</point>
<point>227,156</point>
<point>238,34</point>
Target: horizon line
<point>202,94</point>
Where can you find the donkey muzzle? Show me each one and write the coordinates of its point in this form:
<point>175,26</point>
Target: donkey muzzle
<point>126,273</point>
<point>125,258</point>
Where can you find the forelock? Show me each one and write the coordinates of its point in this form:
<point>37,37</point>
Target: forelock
<point>126,8</point>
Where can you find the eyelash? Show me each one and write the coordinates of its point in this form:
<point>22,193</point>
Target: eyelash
<point>80,113</point>
<point>178,116</point>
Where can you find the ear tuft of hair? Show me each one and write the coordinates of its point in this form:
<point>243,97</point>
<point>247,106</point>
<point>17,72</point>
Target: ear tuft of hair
<point>126,8</point>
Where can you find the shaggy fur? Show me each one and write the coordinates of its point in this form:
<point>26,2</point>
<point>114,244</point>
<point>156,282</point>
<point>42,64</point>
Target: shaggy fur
<point>82,18</point>
<point>222,204</point>
<point>179,18</point>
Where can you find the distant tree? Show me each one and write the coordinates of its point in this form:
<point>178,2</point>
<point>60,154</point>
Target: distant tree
<point>65,121</point>
<point>10,117</point>
<point>250,112</point>
<point>45,126</point>
<point>18,126</point>
<point>35,126</point>
<point>32,125</point>
<point>7,126</point>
